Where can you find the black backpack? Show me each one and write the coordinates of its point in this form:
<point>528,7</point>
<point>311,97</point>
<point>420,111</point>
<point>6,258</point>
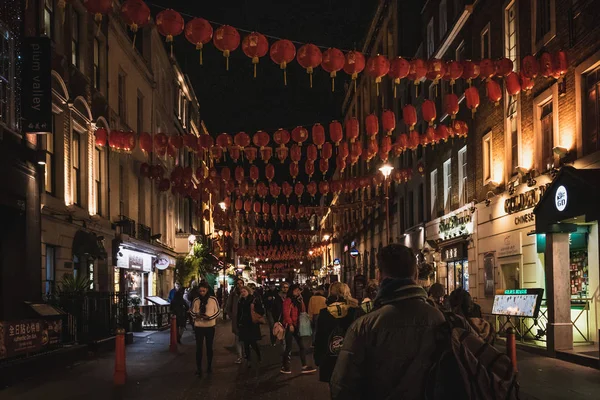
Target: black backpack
<point>466,367</point>
<point>335,341</point>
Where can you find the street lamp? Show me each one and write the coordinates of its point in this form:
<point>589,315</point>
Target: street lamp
<point>223,206</point>
<point>326,237</point>
<point>386,170</point>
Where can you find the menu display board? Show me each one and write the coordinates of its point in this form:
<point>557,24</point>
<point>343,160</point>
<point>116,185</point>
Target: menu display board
<point>518,303</point>
<point>27,336</point>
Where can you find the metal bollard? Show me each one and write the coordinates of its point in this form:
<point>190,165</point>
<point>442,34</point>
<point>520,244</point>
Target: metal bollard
<point>120,375</point>
<point>173,342</point>
<point>511,347</point>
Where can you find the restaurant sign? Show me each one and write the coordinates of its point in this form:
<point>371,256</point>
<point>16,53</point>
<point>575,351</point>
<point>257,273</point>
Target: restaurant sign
<point>455,221</point>
<point>27,336</point>
<point>523,201</point>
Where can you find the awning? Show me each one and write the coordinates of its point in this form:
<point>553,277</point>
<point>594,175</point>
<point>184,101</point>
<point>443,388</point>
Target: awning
<point>573,193</point>
<point>87,243</point>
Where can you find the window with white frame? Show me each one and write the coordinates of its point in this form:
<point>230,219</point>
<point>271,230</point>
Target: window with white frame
<point>486,143</point>
<point>7,76</point>
<point>50,268</point>
<point>430,38</point>
<point>544,21</point>
<point>434,192</point>
<point>75,19</point>
<point>46,144</point>
<point>443,18</point>
<point>76,169</point>
<point>447,183</point>
<point>512,126</point>
<point>99,164</point>
<point>49,18</point>
<point>591,118</point>
<point>486,44</point>
<point>96,71</point>
<point>547,134</point>
<point>510,33</point>
<point>462,176</point>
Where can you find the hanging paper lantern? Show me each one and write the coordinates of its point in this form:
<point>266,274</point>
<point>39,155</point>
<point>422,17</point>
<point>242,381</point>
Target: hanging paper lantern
<point>239,174</point>
<point>282,153</point>
<point>205,142</point>
<point>354,64</point>
<point>255,45</point>
<point>98,8</point>
<point>352,129</point>
<point>435,70</point>
<point>355,152</point>
<point>156,172</point>
<point>340,163</point>
<point>454,70</point>
<point>266,209</point>
<point>213,173</point>
<point>299,135</point>
<point>327,151</point>
<point>260,139</point>
<point>452,108</point>
<point>176,141</point>
<point>318,135</point>
<point>226,39</point>
<point>472,96</point>
<point>494,92</point>
<point>428,137</point>
<point>471,71</point>
<point>248,205</point>
<point>216,153</point>
<point>442,133</point>
<point>169,24</point>
<point>409,115</point>
<point>336,186</point>
<point>129,142</point>
<point>560,64</point>
<point>530,67</point>
<point>295,153</point>
<point>336,132</point>
<point>224,140</point>
<point>417,71</point>
<point>388,119</point>
<point>234,153</point>
<point>513,86</point>
<point>401,144</point>
<point>275,190</point>
<point>269,172</point>
<point>254,173</point>
<point>487,68</point>
<point>283,52</point>
<point>101,135</point>
<point>504,66</point>
<point>294,170</point>
<point>399,69</point>
<point>333,61</point>
<point>372,149</point>
<point>262,189</point>
<point>311,152</point>
<point>323,165</point>
<point>266,153</point>
<point>250,153</point>
<point>242,140</point>
<point>526,83</point>
<point>299,190</point>
<point>309,57</point>
<point>311,188</point>
<point>164,185</point>
<point>324,188</point>
<point>385,148</point>
<point>198,32</point>
<point>225,174</point>
<point>546,65</point>
<point>429,112</point>
<point>190,141</point>
<point>378,67</point>
<point>114,140</point>
<point>281,137</point>
<point>372,125</point>
<point>274,211</point>
<point>287,189</point>
<point>460,128</point>
<point>145,170</point>
<point>135,14</point>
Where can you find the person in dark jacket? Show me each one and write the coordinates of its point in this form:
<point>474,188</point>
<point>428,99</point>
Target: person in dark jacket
<point>248,330</point>
<point>306,295</point>
<point>179,308</point>
<point>332,324</point>
<point>388,352</point>
<point>232,310</point>
<point>268,302</point>
<point>277,307</point>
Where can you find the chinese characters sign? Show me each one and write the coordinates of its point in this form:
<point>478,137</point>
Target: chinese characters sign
<point>27,336</point>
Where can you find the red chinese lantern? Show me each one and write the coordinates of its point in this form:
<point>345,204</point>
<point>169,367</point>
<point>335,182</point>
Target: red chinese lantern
<point>399,69</point>
<point>409,115</point>
<point>281,137</point>
<point>242,140</point>
<point>160,143</point>
<point>401,143</point>
<point>287,189</point>
<point>266,153</point>
<point>442,133</point>
<point>336,132</point>
<point>435,70</point>
<point>299,190</point>
<point>323,165</point>
<point>355,152</point>
<point>340,163</point>
<point>504,66</point>
<point>248,205</point>
<point>225,174</point>
<point>294,170</point>
<point>451,101</point>
<point>266,209</point>
<point>327,151</point>
<point>311,152</point>
<point>283,52</point>
<point>487,68</point>
<point>352,129</point>
<point>429,112</point>
<point>234,153</point>
<point>418,70</point>
<point>526,83</point>
<point>324,188</point>
<point>378,67</point>
<point>216,153</point>
<point>388,119</point>
<point>318,135</point>
<point>101,135</point>
<point>190,141</point>
<point>560,64</point>
<point>295,153</point>
<point>135,14</point>
<point>98,8</point>
<point>299,135</point>
<point>471,71</point>
<point>171,152</point>
<point>224,141</point>
<point>546,65</point>
<point>213,173</point>
<point>530,67</point>
<point>494,92</point>
<point>239,174</point>
<point>354,64</point>
<point>282,153</point>
<point>372,125</point>
<point>333,61</point>
<point>169,24</point>
<point>176,141</point>
<point>311,188</point>
<point>454,70</point>
<point>269,172</point>
<point>309,57</point>
<point>472,96</point>
<point>260,139</point>
<point>226,39</point>
<point>429,136</point>
<point>254,173</point>
<point>513,86</point>
<point>250,153</point>
<point>385,148</point>
<point>255,45</point>
<point>205,142</point>
<point>198,32</point>
<point>145,170</point>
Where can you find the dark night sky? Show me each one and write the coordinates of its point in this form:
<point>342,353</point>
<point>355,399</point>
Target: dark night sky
<point>233,101</point>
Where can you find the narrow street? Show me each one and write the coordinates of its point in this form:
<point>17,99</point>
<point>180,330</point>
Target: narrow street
<point>155,373</point>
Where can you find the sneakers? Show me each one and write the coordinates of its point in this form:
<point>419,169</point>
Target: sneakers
<point>308,370</point>
<point>239,360</point>
<point>285,370</point>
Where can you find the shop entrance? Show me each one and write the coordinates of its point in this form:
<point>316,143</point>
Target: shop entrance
<point>510,276</point>
<point>458,275</point>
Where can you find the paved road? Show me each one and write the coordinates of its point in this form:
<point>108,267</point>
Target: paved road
<point>155,373</point>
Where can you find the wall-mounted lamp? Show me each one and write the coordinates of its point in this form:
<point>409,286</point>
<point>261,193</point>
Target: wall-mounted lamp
<point>522,171</point>
<point>493,184</point>
<point>560,151</point>
<point>488,197</point>
<point>156,237</point>
<point>562,87</point>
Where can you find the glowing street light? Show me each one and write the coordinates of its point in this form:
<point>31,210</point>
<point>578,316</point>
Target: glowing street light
<point>386,170</point>
<point>326,237</point>
<point>223,206</point>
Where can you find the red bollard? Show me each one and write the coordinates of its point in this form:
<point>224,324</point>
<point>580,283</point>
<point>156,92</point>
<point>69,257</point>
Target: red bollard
<point>173,344</point>
<point>120,375</point>
<point>511,347</point>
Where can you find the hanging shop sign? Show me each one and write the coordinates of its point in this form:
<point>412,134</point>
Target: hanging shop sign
<point>336,262</point>
<point>134,260</point>
<point>354,252</point>
<point>561,198</point>
<point>455,221</point>
<point>28,336</point>
<point>36,87</point>
<point>162,262</point>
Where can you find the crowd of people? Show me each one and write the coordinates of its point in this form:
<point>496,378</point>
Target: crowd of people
<point>379,347</point>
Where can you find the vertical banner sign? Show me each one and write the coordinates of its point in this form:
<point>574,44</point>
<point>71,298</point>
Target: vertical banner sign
<point>36,106</point>
<point>489,264</point>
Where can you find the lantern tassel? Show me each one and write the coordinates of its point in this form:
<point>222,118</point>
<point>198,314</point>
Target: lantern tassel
<point>333,84</point>
<point>254,71</point>
<point>310,78</point>
<point>354,84</point>
<point>133,41</point>
<point>394,89</point>
<point>285,77</point>
<point>201,60</point>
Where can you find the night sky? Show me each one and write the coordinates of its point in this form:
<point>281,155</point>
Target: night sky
<point>232,101</point>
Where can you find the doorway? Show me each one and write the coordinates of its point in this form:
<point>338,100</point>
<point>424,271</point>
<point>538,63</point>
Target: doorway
<point>510,276</point>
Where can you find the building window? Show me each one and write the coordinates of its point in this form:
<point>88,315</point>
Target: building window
<point>49,18</point>
<point>46,144</point>
<point>140,112</point>
<point>99,167</point>
<point>121,190</point>
<point>50,268</point>
<point>487,157</point>
<point>591,120</point>
<point>76,173</point>
<point>430,38</point>
<point>7,76</point>
<point>434,192</point>
<point>486,49</point>
<point>447,183</point>
<point>513,134</point>
<point>510,33</point>
<point>411,209</point>
<point>543,18</point>
<point>443,18</point>
<point>462,176</point>
<point>547,130</point>
<point>459,55</point>
<point>121,88</point>
<point>75,38</point>
<point>96,63</point>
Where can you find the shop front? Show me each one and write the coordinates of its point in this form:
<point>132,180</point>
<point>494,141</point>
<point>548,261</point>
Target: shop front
<point>134,273</point>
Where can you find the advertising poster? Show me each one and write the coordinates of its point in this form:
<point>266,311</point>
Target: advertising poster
<point>27,336</point>
<point>489,264</point>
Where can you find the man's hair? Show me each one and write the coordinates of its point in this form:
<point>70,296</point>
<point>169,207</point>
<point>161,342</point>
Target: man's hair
<point>437,290</point>
<point>204,284</point>
<point>397,261</point>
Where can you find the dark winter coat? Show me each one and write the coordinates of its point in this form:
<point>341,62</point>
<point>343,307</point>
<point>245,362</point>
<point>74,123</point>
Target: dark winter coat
<point>231,308</point>
<point>332,325</point>
<point>179,308</point>
<point>248,331</point>
<point>277,308</point>
<point>388,351</point>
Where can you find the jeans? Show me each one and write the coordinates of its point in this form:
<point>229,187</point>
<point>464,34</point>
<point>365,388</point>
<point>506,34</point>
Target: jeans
<point>254,345</point>
<point>237,343</point>
<point>209,334</point>
<point>288,347</point>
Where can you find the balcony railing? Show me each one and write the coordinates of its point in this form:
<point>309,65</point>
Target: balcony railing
<point>144,233</point>
<point>127,225</point>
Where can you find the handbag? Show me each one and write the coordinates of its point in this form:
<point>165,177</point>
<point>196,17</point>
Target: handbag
<point>304,322</point>
<point>256,317</point>
<point>278,331</point>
